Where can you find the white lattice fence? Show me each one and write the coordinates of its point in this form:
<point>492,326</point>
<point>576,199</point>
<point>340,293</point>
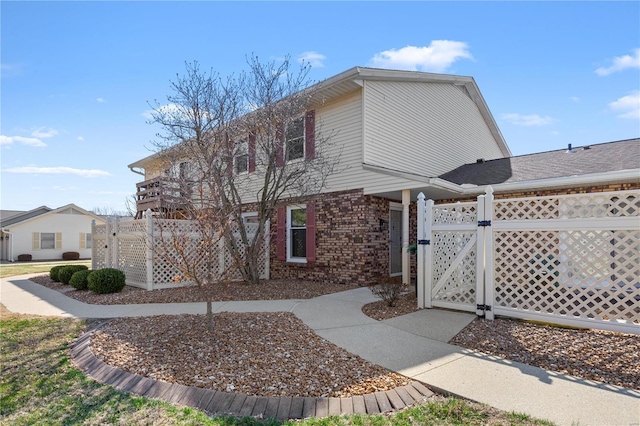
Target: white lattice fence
<point>572,259</point>
<point>141,248</point>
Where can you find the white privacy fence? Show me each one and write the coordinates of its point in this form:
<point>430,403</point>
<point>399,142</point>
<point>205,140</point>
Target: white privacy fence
<point>135,247</point>
<point>568,259</point>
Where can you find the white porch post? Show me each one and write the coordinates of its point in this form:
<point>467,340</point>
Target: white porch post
<point>406,259</point>
<point>149,241</point>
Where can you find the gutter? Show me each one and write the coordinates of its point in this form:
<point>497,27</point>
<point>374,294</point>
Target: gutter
<point>631,175</point>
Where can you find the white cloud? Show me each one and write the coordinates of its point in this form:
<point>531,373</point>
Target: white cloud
<point>437,57</point>
<point>621,63</point>
<point>315,59</point>
<point>164,109</point>
<point>575,99</point>
<point>628,106</point>
<point>42,133</point>
<point>10,140</point>
<point>100,100</point>
<point>80,138</point>
<point>58,171</point>
<point>528,120</point>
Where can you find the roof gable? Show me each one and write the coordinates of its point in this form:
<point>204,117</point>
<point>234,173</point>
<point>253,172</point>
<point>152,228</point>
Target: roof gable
<point>44,210</point>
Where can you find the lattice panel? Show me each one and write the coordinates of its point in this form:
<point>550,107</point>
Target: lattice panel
<point>98,252</point>
<point>526,208</point>
<point>460,287</point>
<point>133,226</point>
<point>445,214</point>
<point>587,274</point>
<point>132,250</point>
<point>578,206</point>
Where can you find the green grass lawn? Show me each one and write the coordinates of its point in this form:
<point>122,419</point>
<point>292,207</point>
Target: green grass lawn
<point>40,386</point>
<point>8,270</point>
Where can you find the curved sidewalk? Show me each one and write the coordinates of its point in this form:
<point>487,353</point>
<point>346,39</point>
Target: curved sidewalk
<point>413,345</point>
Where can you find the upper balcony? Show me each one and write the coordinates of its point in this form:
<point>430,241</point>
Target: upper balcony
<point>160,194</point>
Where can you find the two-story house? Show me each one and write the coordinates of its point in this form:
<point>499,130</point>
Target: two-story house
<point>396,132</point>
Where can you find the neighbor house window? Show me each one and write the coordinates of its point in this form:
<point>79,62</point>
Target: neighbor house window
<point>294,140</point>
<point>241,160</point>
<point>85,240</point>
<point>296,234</point>
<point>47,240</point>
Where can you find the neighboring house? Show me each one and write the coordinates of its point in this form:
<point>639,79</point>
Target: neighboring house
<point>46,233</point>
<point>401,133</point>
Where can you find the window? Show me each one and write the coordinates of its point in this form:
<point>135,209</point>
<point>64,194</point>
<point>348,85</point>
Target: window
<point>241,160</point>
<point>296,234</point>
<point>47,240</point>
<point>85,240</point>
<point>294,140</point>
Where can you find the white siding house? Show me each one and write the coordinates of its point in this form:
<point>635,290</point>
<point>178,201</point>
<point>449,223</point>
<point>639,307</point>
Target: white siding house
<point>46,233</point>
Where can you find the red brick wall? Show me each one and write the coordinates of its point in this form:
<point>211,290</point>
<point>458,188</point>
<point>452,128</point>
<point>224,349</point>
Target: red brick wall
<point>350,246</point>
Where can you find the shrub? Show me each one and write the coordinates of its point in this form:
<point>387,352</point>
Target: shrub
<point>24,257</point>
<point>55,272</point>
<point>106,280</point>
<point>79,279</point>
<point>388,289</point>
<point>67,272</point>
<point>70,255</point>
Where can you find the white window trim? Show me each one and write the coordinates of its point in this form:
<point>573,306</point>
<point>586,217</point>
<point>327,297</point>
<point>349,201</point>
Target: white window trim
<point>304,143</point>
<point>290,258</point>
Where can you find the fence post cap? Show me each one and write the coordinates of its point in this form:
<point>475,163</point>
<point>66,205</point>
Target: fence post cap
<point>421,197</point>
<point>489,190</point>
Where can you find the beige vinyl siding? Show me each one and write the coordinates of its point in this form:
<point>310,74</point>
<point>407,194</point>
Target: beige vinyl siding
<point>344,117</point>
<point>423,128</point>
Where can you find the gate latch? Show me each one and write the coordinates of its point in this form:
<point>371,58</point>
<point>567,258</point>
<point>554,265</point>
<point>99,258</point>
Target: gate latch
<point>481,307</point>
<point>424,242</point>
<point>484,223</point>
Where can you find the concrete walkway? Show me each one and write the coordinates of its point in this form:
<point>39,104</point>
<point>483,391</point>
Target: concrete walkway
<point>413,345</point>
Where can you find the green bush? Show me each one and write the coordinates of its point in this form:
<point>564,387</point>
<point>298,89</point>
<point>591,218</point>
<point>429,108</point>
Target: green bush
<point>79,279</point>
<point>106,280</point>
<point>67,272</point>
<point>55,271</point>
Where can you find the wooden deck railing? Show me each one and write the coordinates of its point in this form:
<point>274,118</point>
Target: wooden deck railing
<point>158,194</point>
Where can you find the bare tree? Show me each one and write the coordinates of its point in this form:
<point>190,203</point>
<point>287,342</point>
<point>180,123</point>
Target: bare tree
<point>228,144</point>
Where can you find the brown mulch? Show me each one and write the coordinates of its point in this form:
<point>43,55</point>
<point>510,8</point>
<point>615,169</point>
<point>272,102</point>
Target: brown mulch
<point>603,356</point>
<point>266,354</point>
<point>405,304</point>
<point>266,290</point>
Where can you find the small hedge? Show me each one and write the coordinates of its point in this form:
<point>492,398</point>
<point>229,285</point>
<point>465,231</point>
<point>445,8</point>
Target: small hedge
<point>55,271</point>
<point>70,255</point>
<point>67,272</point>
<point>79,279</point>
<point>24,258</point>
<point>106,280</point>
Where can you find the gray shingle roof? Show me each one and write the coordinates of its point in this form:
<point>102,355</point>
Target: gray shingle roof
<point>600,158</point>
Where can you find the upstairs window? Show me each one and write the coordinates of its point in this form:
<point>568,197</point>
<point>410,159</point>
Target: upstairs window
<point>294,140</point>
<point>241,159</point>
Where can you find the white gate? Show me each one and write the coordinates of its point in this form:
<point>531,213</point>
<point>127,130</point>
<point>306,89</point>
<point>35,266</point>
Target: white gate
<point>571,259</point>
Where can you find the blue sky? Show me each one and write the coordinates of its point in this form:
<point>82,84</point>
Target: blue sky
<point>77,76</point>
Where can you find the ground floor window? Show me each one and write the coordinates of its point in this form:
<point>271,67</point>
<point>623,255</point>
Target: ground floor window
<point>296,234</point>
<point>47,240</point>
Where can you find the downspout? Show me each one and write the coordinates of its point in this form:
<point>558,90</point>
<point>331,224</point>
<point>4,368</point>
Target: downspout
<point>136,171</point>
<point>10,244</point>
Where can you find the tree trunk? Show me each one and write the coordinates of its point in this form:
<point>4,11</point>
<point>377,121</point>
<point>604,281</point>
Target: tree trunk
<point>210,315</point>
